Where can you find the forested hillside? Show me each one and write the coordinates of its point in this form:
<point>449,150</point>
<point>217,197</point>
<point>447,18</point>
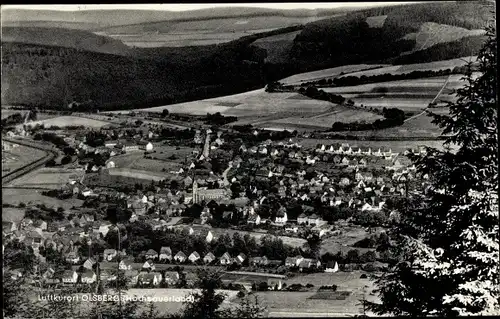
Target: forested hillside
<point>76,39</point>
<point>350,39</point>
<point>50,76</point>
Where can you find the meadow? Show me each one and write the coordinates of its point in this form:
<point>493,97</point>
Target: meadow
<point>19,156</point>
<point>431,33</point>
<point>63,121</point>
<point>329,73</point>
<point>47,177</point>
<point>407,68</point>
<point>324,121</point>
<point>138,174</point>
<point>14,196</point>
<point>299,303</point>
<point>255,104</point>
<point>199,31</point>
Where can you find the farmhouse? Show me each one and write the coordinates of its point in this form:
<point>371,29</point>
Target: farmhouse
<point>146,146</point>
<point>209,258</point>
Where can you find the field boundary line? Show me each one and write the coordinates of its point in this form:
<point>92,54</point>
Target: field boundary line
<point>435,98</point>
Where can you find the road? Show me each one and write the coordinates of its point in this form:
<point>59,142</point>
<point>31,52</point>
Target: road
<point>50,151</point>
<point>433,100</point>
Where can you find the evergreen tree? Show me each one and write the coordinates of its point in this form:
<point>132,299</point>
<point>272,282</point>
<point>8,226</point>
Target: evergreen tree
<point>207,301</point>
<point>448,244</point>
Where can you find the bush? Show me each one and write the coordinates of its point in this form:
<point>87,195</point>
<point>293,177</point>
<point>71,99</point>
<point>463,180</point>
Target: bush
<point>309,285</point>
<point>240,294</point>
<point>363,276</point>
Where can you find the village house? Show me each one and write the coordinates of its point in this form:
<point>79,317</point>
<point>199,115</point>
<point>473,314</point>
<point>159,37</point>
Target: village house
<point>69,277</point>
<point>293,261</point>
<point>209,258</point>
<point>254,219</point>
<point>110,254</point>
<point>165,254</point>
<point>88,277</point>
<point>73,258</point>
<point>194,256</point>
<point>148,265</point>
<point>180,257</point>
<point>281,216</point>
<point>126,264</point>
<point>89,263</point>
<point>332,267</point>
<point>171,277</point>
<point>226,259</point>
<point>151,254</point>
<point>149,278</point>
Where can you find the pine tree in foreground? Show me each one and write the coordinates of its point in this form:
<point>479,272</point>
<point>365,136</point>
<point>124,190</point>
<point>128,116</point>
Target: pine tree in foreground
<point>448,241</point>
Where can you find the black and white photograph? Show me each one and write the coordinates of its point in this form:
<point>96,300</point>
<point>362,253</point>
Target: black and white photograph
<point>250,160</point>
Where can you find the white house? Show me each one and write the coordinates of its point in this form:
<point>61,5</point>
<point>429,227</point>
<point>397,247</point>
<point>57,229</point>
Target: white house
<point>194,257</point>
<point>332,267</point>
<point>281,216</point>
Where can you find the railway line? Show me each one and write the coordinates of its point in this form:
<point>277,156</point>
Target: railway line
<point>50,151</point>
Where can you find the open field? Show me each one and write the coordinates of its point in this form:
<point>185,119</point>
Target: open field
<point>138,174</point>
<point>199,31</point>
<point>249,104</point>
<point>407,68</point>
<point>33,196</point>
<point>329,73</point>
<point>376,21</point>
<point>323,121</point>
<point>12,214</point>
<point>162,161</point>
<point>344,241</point>
<point>18,156</point>
<point>431,33</point>
<point>47,177</point>
<point>298,303</point>
<point>62,121</point>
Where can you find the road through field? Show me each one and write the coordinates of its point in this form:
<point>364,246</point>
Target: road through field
<point>51,154</point>
<point>433,100</point>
